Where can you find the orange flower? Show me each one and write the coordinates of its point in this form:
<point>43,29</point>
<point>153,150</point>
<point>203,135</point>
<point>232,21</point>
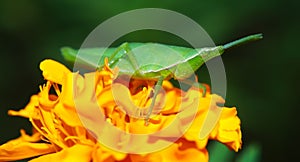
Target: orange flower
<point>66,127</point>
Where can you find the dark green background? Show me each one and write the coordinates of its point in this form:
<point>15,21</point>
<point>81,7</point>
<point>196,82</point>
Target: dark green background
<point>262,76</point>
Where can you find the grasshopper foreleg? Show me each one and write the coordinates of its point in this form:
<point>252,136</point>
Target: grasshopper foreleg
<point>157,88</point>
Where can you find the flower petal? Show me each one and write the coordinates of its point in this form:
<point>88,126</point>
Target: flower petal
<point>23,147</point>
<point>29,110</point>
<point>104,154</point>
<point>76,153</point>
<point>228,130</point>
<point>178,152</point>
<point>54,71</point>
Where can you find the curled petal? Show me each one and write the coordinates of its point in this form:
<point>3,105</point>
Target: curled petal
<point>47,101</point>
<point>54,71</point>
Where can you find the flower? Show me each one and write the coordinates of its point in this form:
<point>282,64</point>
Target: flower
<point>59,133</point>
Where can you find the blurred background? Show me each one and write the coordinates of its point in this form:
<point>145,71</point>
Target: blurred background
<point>262,76</point>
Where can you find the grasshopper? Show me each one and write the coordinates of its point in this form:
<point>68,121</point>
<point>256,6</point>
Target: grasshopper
<point>134,66</point>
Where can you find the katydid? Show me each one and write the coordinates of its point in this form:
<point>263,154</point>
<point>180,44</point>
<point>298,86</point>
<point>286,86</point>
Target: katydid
<point>134,66</point>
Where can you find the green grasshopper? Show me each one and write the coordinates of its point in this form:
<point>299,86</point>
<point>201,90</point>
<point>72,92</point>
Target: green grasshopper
<point>136,65</point>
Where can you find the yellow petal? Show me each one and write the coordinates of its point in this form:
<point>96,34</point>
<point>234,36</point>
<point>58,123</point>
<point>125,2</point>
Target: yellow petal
<point>29,110</point>
<point>104,154</point>
<point>54,71</point>
<point>124,100</point>
<point>47,101</point>
<point>68,115</point>
<point>76,153</point>
<point>181,151</point>
<point>228,130</point>
<point>205,103</point>
<point>23,147</point>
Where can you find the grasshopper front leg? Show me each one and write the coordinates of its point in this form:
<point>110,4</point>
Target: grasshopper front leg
<point>157,88</point>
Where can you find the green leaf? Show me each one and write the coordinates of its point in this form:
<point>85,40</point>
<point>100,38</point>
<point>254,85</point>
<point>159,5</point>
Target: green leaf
<point>252,153</point>
<point>219,152</point>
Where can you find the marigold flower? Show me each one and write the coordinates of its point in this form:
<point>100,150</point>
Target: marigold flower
<point>60,135</point>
